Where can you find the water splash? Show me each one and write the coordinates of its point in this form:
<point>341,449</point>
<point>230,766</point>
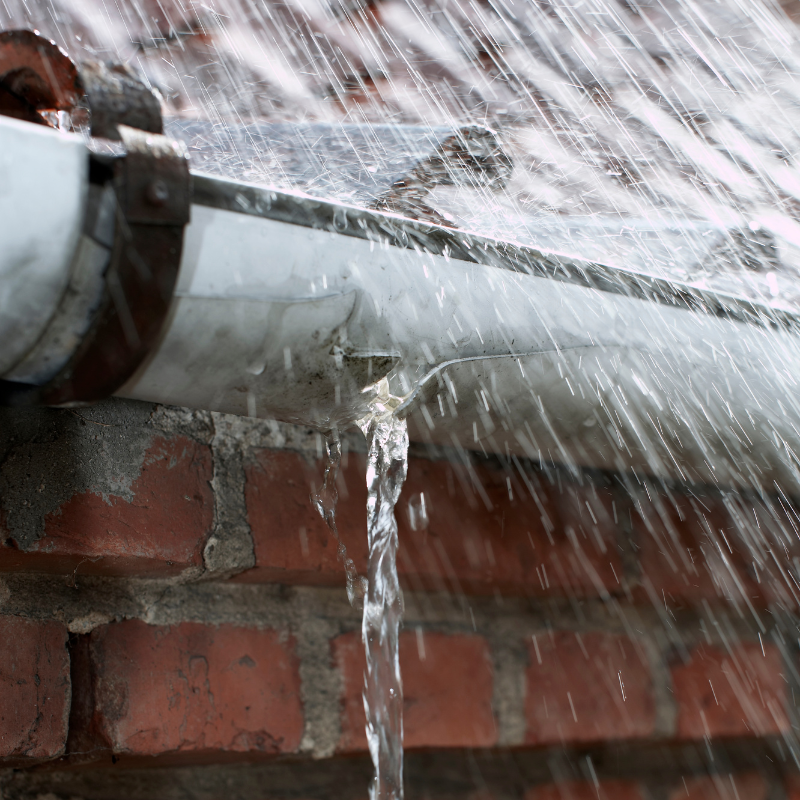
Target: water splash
<point>658,134</point>
<point>325,502</point>
<point>387,440</point>
<point>663,137</point>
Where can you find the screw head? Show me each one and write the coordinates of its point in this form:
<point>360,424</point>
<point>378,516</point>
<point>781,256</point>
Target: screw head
<point>157,193</point>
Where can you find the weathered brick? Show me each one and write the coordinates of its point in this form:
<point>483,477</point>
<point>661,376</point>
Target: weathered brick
<point>586,790</point>
<point>484,531</point>
<point>742,693</point>
<point>487,532</point>
<point>690,550</point>
<point>447,691</point>
<point>722,787</point>
<point>588,687</point>
<point>292,543</point>
<point>34,688</point>
<point>777,550</point>
<point>195,689</point>
<point>158,528</point>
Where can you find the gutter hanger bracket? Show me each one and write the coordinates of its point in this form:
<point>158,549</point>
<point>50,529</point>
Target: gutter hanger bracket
<point>152,187</point>
<point>153,190</point>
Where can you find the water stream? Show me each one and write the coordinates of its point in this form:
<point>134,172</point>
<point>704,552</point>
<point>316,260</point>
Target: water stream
<point>325,502</point>
<point>387,462</point>
<point>387,440</point>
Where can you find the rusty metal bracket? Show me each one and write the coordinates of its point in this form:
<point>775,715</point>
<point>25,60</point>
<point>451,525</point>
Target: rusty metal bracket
<point>152,185</point>
<point>116,96</point>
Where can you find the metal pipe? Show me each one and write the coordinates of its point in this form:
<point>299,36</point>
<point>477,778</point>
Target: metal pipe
<point>43,189</point>
<point>289,307</point>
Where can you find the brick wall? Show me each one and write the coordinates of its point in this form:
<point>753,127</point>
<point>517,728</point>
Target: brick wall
<point>174,622</point>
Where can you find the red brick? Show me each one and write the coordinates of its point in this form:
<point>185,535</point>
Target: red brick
<point>585,790</point>
<point>778,544</point>
<point>447,695</point>
<point>195,689</point>
<point>34,688</point>
<point>722,787</point>
<point>695,548</point>
<point>476,541</point>
<point>161,531</point>
<point>691,550</point>
<point>574,694</point>
<point>292,543</point>
<point>501,538</point>
<point>739,694</point>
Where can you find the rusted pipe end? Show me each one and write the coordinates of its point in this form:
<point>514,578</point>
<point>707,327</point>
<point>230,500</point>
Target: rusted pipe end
<point>36,77</point>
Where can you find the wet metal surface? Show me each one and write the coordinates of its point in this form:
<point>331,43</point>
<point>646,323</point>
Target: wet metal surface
<point>396,166</point>
<point>152,188</point>
<point>117,96</point>
<point>427,238</point>
<point>35,76</point>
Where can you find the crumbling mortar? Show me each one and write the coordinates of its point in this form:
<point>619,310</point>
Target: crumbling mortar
<point>172,600</point>
<point>509,661</point>
<point>321,687</point>
<point>283,436</point>
<point>47,456</point>
<point>316,615</point>
<point>666,709</point>
<point>229,549</point>
<point>235,442</point>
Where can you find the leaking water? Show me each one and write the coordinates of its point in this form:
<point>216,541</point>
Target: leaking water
<point>383,608</point>
<point>656,137</point>
<point>379,593</point>
<point>325,502</point>
<point>387,461</point>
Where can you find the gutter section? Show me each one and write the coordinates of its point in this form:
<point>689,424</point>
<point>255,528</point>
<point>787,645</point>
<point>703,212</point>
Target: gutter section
<point>43,190</point>
<point>292,308</point>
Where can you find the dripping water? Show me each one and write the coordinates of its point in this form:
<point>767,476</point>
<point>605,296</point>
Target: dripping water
<point>325,502</point>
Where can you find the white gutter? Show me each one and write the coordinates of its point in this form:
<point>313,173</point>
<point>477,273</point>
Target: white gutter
<point>43,185</point>
<point>287,307</point>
